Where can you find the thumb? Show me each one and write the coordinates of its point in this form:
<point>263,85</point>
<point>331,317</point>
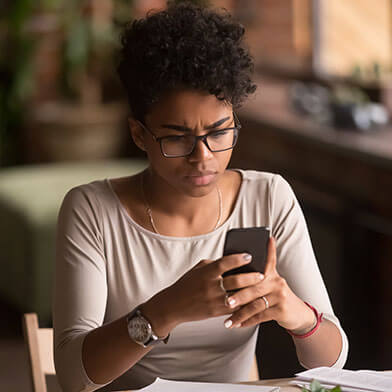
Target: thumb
<point>270,266</point>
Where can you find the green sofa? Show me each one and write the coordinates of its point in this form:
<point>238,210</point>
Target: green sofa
<point>30,198</point>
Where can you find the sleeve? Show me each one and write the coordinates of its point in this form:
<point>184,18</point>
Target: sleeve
<point>80,288</point>
<point>296,261</point>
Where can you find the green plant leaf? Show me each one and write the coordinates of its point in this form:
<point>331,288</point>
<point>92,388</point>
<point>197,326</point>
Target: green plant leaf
<point>77,43</point>
<point>19,12</point>
<point>315,386</point>
<point>50,4</point>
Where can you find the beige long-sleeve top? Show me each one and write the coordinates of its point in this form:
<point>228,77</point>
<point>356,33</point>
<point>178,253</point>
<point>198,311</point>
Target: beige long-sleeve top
<point>107,264</point>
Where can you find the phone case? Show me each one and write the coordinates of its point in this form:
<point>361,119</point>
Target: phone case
<point>252,240</point>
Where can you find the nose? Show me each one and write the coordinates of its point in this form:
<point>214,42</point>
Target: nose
<point>200,153</point>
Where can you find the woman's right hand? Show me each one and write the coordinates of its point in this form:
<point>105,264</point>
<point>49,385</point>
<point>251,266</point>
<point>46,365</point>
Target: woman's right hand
<point>198,294</point>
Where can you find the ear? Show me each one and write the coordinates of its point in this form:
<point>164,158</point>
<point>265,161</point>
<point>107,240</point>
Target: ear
<point>137,133</point>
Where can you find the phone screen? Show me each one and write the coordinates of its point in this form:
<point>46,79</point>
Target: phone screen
<point>252,240</point>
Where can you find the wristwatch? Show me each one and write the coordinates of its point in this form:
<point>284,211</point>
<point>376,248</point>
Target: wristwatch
<point>140,330</point>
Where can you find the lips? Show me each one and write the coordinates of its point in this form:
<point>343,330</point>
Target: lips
<point>201,178</point>
<point>201,174</point>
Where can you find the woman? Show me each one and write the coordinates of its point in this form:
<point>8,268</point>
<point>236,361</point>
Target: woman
<point>139,288</point>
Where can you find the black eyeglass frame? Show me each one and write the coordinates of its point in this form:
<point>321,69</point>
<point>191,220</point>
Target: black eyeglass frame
<point>203,138</point>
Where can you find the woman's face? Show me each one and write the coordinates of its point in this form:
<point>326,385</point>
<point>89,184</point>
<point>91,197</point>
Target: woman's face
<point>184,112</point>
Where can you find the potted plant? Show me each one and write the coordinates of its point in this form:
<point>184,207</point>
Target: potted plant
<point>16,76</point>
<point>87,120</point>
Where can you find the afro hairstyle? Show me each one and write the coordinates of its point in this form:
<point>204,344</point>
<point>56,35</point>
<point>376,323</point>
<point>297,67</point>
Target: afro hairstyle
<point>186,46</point>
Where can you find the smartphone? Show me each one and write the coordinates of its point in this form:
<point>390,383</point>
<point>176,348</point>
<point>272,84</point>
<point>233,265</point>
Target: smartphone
<point>252,240</point>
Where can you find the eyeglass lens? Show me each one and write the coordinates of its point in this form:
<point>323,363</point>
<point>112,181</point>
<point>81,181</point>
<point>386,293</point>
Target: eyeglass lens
<point>183,145</point>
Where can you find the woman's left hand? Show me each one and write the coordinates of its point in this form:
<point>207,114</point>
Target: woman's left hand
<point>280,303</point>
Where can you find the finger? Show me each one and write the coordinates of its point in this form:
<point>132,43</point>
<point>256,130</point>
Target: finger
<point>270,266</point>
<point>249,294</point>
<point>240,281</point>
<point>250,310</point>
<point>261,317</point>
<point>227,263</point>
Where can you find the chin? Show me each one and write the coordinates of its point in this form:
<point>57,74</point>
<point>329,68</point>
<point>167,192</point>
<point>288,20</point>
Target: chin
<point>200,192</point>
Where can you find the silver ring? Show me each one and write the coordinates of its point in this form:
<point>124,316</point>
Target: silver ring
<point>266,302</point>
<point>221,285</point>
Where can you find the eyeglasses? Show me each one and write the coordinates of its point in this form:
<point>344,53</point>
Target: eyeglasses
<point>184,145</point>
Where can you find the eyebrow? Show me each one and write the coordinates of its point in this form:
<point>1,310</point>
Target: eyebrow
<point>182,128</point>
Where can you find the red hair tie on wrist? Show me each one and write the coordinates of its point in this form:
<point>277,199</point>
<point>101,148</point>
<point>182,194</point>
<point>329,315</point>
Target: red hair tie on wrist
<point>319,318</point>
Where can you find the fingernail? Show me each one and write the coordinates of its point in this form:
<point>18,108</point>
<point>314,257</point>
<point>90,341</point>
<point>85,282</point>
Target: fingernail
<point>231,302</point>
<point>237,325</point>
<point>228,323</point>
<point>261,276</point>
<point>247,257</point>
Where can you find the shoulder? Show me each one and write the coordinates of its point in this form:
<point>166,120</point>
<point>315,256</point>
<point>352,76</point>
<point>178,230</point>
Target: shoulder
<point>271,188</point>
<point>86,198</point>
<point>82,209</point>
<point>271,181</point>
<point>86,191</point>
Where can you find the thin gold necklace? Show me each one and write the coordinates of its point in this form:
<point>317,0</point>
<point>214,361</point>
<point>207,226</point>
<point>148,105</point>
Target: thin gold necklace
<point>149,211</point>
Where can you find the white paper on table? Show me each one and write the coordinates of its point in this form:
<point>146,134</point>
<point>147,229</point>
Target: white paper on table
<point>364,380</point>
<point>161,385</point>
<point>382,373</point>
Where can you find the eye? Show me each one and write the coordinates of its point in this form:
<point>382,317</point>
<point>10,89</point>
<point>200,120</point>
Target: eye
<point>175,138</point>
<point>218,134</point>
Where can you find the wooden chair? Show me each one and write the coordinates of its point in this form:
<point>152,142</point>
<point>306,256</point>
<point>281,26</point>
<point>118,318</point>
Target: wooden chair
<point>39,343</point>
<point>254,371</point>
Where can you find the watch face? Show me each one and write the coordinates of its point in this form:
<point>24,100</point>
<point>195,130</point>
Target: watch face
<point>139,329</point>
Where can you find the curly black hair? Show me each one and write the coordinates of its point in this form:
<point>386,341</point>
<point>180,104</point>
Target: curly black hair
<point>184,46</point>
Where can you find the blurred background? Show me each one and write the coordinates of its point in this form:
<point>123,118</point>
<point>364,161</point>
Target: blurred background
<point>320,117</point>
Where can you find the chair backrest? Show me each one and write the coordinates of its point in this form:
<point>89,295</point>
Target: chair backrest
<point>254,371</point>
<point>39,343</point>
